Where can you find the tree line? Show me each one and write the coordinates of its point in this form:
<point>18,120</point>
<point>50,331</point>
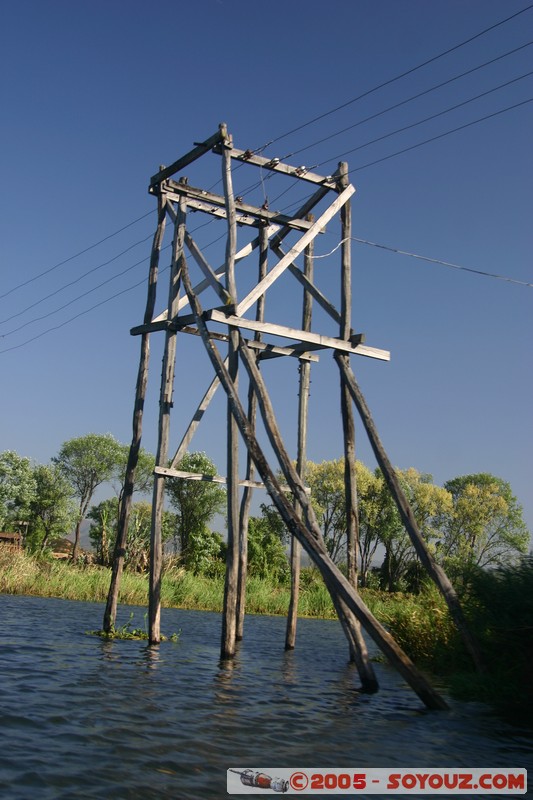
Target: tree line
<point>473,521</point>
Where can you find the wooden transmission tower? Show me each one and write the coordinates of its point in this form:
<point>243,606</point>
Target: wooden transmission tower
<point>249,340</point>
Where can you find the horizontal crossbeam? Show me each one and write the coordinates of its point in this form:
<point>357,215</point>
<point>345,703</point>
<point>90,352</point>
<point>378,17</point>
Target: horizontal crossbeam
<point>187,159</point>
<point>217,200</point>
<point>182,324</point>
<point>167,472</point>
<point>275,165</point>
<point>294,333</point>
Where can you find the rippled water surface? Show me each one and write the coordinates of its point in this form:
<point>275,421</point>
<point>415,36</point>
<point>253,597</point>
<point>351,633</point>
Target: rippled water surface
<point>83,718</point>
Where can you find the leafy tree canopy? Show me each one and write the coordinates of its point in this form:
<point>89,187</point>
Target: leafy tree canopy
<point>195,503</point>
<point>486,527</point>
<point>52,509</point>
<point>86,462</point>
<point>266,554</point>
<point>17,488</point>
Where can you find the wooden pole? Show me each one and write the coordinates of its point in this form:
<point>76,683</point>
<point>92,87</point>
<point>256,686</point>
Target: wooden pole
<point>244,515</point>
<point>229,614</point>
<point>352,521</point>
<point>110,614</point>
<point>309,536</point>
<point>434,570</point>
<point>358,649</point>
<point>351,627</point>
<point>165,405</point>
<point>301,457</point>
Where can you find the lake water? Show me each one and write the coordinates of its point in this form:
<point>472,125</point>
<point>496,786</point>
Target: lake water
<point>84,718</point>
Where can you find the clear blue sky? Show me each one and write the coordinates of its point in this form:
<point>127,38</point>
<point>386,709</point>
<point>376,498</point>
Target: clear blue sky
<point>95,95</point>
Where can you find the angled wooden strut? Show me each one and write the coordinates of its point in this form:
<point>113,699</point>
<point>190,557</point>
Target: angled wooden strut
<point>308,533</point>
<point>434,570</point>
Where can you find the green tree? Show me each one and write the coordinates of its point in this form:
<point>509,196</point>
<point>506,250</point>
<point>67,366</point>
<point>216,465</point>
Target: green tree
<point>103,529</point>
<point>326,481</point>
<point>430,504</point>
<point>103,532</point>
<point>372,516</point>
<point>486,527</point>
<point>144,472</point>
<point>266,554</point>
<point>52,511</point>
<point>195,503</point>
<point>17,489</point>
<point>86,462</point>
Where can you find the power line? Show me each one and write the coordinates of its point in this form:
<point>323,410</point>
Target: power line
<point>399,77</point>
<point>284,135</point>
<point>73,282</point>
<point>427,119</point>
<point>297,203</point>
<point>424,258</point>
<point>76,255</point>
<point>407,100</point>
<point>85,294</point>
<point>75,299</point>
<point>439,136</point>
<point>77,316</point>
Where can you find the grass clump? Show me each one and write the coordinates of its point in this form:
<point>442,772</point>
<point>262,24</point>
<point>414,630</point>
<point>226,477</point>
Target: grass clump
<point>127,631</point>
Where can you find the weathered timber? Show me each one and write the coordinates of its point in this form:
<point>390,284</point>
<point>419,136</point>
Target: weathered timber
<point>169,472</point>
<point>229,614</point>
<point>319,296</point>
<point>295,251</point>
<point>351,627</point>
<point>358,651</point>
<point>266,350</point>
<point>243,253</point>
<point>165,404</point>
<point>310,535</point>
<point>177,190</point>
<point>301,456</point>
<point>214,211</point>
<point>275,165</point>
<point>195,421</point>
<point>110,613</point>
<point>434,570</point>
<point>302,212</point>
<point>350,482</point>
<point>246,500</point>
<point>184,161</point>
<point>206,269</point>
<point>294,333</point>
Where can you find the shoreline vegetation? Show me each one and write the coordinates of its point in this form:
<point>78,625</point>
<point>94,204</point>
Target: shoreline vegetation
<point>499,611</point>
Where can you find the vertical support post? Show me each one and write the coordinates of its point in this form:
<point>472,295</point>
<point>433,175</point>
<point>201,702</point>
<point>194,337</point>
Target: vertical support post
<point>358,648</point>
<point>165,405</point>
<point>250,470</point>
<point>110,614</point>
<point>229,614</point>
<point>303,406</point>
<point>350,484</point>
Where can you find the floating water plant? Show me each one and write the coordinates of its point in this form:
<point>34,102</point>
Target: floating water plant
<point>127,631</point>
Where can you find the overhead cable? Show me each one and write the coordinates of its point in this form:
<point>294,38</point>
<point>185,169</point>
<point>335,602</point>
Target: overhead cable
<point>407,100</point>
<point>423,258</point>
<point>401,75</point>
<point>76,255</point>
